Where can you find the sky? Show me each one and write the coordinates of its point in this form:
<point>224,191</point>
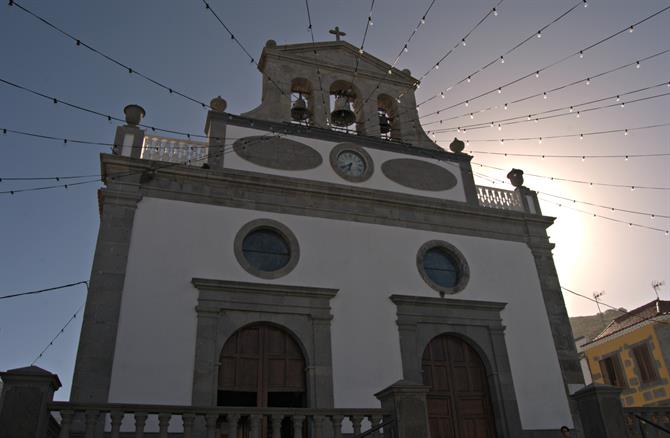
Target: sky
<point>47,238</point>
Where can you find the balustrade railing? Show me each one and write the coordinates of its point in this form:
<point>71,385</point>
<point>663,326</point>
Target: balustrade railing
<point>648,422</point>
<point>498,198</point>
<point>174,150</point>
<point>220,422</point>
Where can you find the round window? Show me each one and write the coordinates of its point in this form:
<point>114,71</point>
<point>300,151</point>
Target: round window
<point>443,267</point>
<point>266,248</point>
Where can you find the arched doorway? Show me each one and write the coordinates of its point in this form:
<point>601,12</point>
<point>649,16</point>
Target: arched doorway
<point>459,405</point>
<point>261,365</point>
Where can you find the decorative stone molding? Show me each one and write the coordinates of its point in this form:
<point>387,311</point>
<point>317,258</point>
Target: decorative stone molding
<point>420,319</point>
<point>284,231</point>
<point>226,306</point>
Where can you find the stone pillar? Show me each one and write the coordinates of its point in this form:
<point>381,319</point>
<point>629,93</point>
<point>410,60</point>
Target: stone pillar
<point>529,200</point>
<point>407,402</point>
<point>23,402</point>
<point>215,128</point>
<point>129,138</point>
<point>600,411</point>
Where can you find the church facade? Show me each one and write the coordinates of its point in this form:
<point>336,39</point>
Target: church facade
<point>314,251</point>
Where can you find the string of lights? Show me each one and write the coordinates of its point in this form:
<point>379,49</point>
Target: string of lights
<point>626,157</point>
<point>576,181</point>
<point>60,332</point>
<point>316,63</point>
<point>39,291</point>
<point>403,49</point>
<point>131,70</point>
<point>501,58</point>
<point>537,71</point>
<point>241,46</point>
<point>474,113</point>
<point>550,137</point>
<point>630,224</point>
<point>357,59</point>
<point>532,118</point>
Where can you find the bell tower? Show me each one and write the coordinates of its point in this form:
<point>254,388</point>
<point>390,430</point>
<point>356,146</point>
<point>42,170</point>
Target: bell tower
<point>333,85</point>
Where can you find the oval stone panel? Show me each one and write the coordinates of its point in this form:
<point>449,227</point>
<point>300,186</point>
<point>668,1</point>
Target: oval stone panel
<point>417,174</point>
<point>277,153</point>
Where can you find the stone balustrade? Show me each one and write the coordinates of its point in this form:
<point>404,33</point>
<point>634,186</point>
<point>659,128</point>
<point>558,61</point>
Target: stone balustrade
<point>499,198</point>
<point>174,150</point>
<point>188,421</point>
<point>637,428</point>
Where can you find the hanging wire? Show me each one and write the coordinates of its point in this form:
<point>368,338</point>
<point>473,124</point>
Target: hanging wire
<point>60,332</point>
<point>39,291</point>
<point>131,70</point>
<point>473,113</point>
<point>316,63</point>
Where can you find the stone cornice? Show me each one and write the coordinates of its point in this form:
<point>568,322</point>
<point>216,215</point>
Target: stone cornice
<point>263,288</point>
<point>264,192</point>
<point>335,136</point>
<point>447,303</point>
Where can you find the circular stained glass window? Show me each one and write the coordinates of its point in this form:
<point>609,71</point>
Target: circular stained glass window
<point>266,250</point>
<point>441,267</point>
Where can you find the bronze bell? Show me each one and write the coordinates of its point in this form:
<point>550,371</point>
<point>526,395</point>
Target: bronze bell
<point>342,115</point>
<point>384,122</point>
<point>299,111</point>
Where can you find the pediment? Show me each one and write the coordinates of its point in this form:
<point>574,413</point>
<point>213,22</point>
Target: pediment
<point>336,55</point>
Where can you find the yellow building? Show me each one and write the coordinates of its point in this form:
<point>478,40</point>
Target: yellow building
<point>633,352</point>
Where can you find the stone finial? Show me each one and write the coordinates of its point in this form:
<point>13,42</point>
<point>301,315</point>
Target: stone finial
<point>134,114</point>
<point>457,146</point>
<point>515,176</point>
<point>271,44</point>
<point>218,104</point>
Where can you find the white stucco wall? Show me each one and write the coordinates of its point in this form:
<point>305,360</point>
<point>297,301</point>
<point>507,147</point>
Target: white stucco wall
<point>172,242</point>
<point>325,172</point>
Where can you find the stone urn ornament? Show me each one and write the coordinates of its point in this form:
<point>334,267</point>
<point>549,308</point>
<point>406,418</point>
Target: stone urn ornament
<point>457,146</point>
<point>134,114</point>
<point>515,176</point>
<point>218,104</point>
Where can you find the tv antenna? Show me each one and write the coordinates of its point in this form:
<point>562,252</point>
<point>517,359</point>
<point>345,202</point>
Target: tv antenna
<point>656,285</point>
<point>597,295</point>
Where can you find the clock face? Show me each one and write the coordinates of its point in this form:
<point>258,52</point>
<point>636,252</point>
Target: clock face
<point>350,163</point>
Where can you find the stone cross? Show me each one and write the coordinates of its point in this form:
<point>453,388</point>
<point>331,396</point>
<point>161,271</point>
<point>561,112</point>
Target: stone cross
<point>337,33</point>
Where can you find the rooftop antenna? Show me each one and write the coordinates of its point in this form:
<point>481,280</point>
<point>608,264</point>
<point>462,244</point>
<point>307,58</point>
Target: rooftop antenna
<point>656,285</point>
<point>597,295</point>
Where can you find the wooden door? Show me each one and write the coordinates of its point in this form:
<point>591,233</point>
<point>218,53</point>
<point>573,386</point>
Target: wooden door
<point>459,405</point>
<point>262,365</point>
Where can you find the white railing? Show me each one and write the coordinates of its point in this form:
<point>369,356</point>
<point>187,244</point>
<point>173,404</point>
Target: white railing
<point>174,150</point>
<point>186,421</point>
<point>498,198</point>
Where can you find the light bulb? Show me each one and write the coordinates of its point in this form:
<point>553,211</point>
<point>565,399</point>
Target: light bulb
<point>618,98</point>
<point>499,90</point>
<point>543,157</point>
<point>632,188</point>
<point>502,141</point>
<point>626,158</point>
<point>588,81</point>
<point>505,106</point>
<point>571,109</point>
<point>578,115</point>
<point>637,64</point>
<point>586,4</point>
<point>442,94</point>
<point>472,116</point>
<point>544,94</point>
<point>467,142</point>
<point>536,120</point>
<point>437,66</point>
<point>625,132</point>
<point>537,74</point>
<point>528,116</point>
<point>360,51</point>
<point>491,124</point>
<point>458,129</point>
<point>622,104</point>
<point>389,72</point>
<point>463,42</point>
<point>652,216</point>
<point>631,29</point>
<point>370,20</point>
<point>423,20</point>
<point>502,60</point>
<point>583,158</point>
<point>539,34</point>
<point>499,127</point>
<point>467,103</point>
<point>581,54</point>
<point>469,79</point>
<point>495,12</point>
<point>406,49</point>
<point>581,136</point>
<point>539,140</point>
